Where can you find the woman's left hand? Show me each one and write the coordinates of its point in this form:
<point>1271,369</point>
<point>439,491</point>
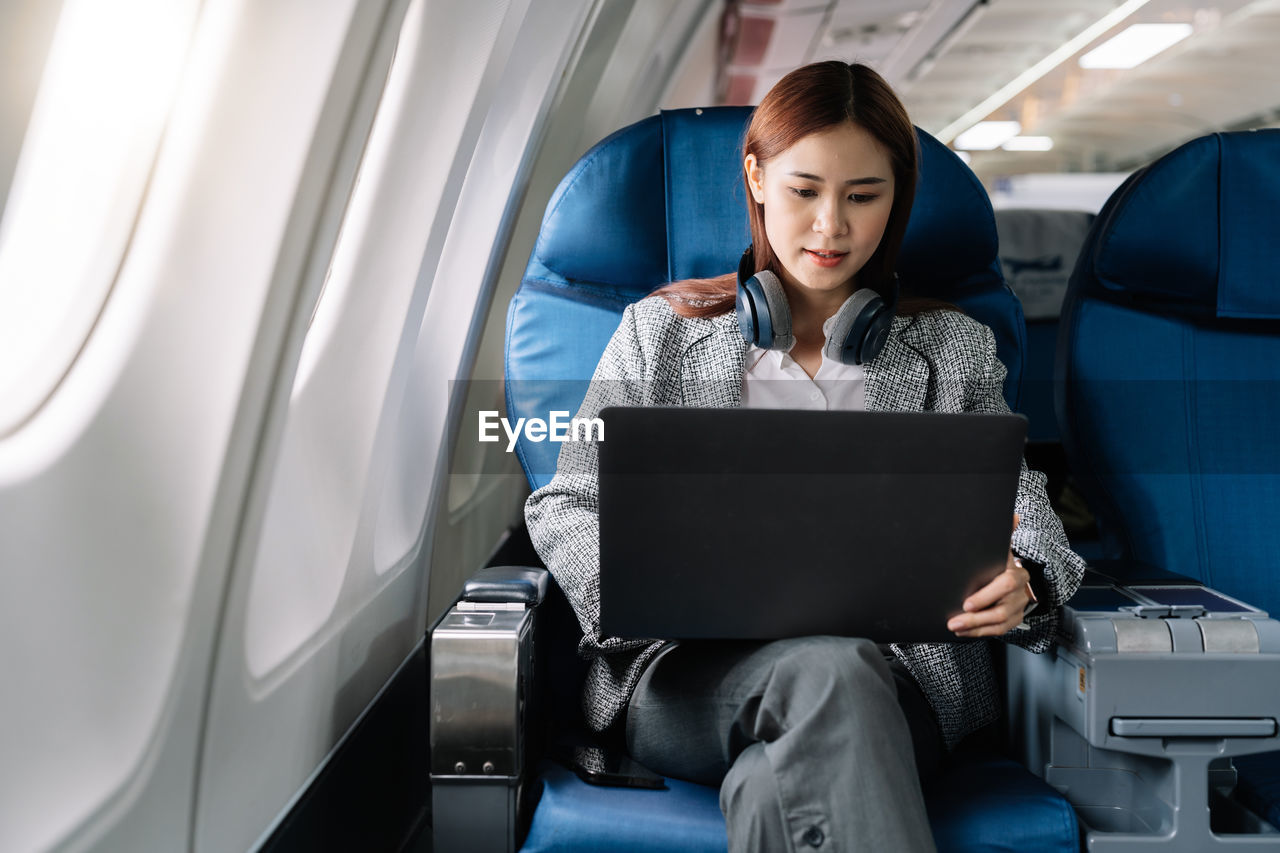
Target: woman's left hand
<point>999,606</point>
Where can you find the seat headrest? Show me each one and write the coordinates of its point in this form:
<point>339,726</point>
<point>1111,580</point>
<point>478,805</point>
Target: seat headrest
<point>1195,232</point>
<point>683,215</point>
<point>1038,251</point>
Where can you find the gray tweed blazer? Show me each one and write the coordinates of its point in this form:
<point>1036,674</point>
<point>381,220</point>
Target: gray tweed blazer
<point>937,361</point>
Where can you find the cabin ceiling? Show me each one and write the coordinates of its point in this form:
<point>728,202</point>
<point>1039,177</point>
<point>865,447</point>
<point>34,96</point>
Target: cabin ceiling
<point>946,56</point>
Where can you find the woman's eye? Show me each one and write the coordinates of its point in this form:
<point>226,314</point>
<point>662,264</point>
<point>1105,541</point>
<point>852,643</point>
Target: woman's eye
<point>804,193</point>
<point>862,198</point>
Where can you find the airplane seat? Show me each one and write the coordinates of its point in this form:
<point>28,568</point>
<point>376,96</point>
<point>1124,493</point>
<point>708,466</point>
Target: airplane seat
<point>1168,377</point>
<point>1038,250</point>
<point>658,201</point>
<point>662,201</point>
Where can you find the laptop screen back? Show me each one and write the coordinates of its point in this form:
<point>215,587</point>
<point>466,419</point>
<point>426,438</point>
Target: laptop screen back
<point>761,524</point>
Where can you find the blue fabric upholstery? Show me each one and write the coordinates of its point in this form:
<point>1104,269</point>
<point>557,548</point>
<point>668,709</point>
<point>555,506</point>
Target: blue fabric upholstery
<point>994,805</point>
<point>663,200</point>
<point>1192,232</point>
<point>1168,376</point>
<point>1169,366</point>
<point>1037,376</point>
<point>985,804</point>
<point>574,816</point>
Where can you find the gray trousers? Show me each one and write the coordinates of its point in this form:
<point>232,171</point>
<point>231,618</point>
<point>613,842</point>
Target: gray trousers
<point>808,739</point>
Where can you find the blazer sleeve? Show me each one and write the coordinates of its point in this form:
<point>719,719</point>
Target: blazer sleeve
<point>563,516</point>
<point>1039,536</point>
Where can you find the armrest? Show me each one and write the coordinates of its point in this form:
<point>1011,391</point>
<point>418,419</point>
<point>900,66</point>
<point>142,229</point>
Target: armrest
<point>507,584</point>
<point>1130,572</point>
<point>484,711</point>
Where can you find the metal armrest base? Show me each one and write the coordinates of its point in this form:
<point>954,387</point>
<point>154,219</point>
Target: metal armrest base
<point>470,814</point>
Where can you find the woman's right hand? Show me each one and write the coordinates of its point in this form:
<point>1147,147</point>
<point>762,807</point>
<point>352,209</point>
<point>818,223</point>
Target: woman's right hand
<point>999,606</point>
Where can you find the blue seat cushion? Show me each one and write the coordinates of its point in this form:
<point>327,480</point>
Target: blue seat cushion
<point>574,816</point>
<point>995,805</point>
<point>977,803</point>
<point>1259,788</point>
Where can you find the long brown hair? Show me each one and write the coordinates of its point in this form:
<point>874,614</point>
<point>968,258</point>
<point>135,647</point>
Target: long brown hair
<point>811,99</point>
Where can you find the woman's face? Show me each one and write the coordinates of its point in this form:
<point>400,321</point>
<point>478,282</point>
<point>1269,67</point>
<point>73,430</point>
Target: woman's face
<point>826,202</point>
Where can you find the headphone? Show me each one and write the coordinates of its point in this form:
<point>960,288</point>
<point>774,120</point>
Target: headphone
<point>855,334</point>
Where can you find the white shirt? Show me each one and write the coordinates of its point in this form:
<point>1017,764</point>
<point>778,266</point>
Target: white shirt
<point>774,380</point>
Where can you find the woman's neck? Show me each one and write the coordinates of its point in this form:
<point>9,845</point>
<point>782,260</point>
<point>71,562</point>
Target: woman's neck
<point>809,310</point>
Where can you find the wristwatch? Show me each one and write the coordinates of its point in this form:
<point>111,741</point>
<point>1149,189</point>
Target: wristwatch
<point>1036,572</point>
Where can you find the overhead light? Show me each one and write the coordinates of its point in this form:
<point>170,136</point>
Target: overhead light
<point>986,135</point>
<point>1029,143</point>
<point>1007,92</point>
<point>1135,45</point>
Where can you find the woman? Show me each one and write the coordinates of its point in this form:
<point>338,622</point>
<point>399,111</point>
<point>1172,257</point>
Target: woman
<point>814,741</point>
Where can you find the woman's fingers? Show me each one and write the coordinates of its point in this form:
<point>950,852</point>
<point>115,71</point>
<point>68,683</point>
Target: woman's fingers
<point>991,593</point>
<point>991,622</point>
<point>996,608</point>
<point>1012,579</point>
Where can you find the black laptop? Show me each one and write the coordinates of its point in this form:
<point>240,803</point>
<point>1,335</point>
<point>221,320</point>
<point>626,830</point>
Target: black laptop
<point>768,523</point>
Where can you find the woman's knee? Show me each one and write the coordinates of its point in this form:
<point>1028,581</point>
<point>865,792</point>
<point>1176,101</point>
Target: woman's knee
<point>842,681</point>
<point>848,661</point>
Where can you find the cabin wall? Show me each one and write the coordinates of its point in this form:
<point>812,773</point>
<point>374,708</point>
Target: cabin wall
<point>227,526</point>
<point>627,61</point>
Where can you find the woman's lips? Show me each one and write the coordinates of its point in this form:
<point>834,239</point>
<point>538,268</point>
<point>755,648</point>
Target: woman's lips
<point>825,259</point>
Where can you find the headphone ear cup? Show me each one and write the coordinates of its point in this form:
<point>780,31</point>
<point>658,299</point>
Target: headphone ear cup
<point>857,332</point>
<point>763,313</point>
<point>877,334</point>
<point>754,330</point>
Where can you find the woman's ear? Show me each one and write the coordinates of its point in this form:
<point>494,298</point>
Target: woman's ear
<point>755,177</point>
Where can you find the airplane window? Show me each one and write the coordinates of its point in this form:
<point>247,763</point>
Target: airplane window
<point>349,493</point>
<point>26,28</point>
<point>80,177</point>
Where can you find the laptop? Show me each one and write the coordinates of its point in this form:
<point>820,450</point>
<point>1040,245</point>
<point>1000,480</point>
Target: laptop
<point>769,523</point>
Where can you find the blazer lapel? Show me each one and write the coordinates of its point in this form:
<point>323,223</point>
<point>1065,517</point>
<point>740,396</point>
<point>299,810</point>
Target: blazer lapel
<point>712,366</point>
<point>898,378</point>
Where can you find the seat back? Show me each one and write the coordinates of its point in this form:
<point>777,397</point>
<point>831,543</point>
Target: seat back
<point>663,200</point>
<point>1168,365</point>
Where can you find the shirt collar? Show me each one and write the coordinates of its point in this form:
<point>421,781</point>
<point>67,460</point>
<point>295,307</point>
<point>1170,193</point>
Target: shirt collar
<point>780,360</point>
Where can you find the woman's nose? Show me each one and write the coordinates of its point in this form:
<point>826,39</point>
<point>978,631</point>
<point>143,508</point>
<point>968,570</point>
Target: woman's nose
<point>831,221</point>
